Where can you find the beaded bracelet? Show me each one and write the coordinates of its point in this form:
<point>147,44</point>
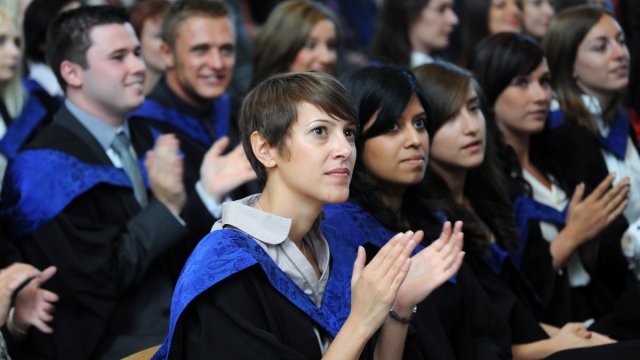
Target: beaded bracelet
<point>401,319</point>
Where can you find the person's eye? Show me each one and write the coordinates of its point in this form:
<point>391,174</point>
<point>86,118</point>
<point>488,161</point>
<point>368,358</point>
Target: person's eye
<point>521,82</point>
<point>420,123</point>
<point>350,134</point>
<point>320,130</point>
<point>393,127</point>
<point>310,45</point>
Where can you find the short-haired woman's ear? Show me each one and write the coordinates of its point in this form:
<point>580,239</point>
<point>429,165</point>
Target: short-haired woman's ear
<point>262,150</point>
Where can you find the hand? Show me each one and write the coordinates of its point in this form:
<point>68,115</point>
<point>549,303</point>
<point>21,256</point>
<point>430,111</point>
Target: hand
<point>576,335</point>
<point>430,268</point>
<point>220,174</point>
<point>374,287</point>
<point>10,279</point>
<point>587,217</point>
<point>34,305</point>
<point>165,167</point>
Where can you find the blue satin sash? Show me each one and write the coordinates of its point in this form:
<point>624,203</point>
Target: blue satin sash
<point>526,209</point>
<point>32,114</point>
<point>358,227</point>
<point>225,252</point>
<point>615,141</point>
<point>39,184</point>
<point>220,119</point>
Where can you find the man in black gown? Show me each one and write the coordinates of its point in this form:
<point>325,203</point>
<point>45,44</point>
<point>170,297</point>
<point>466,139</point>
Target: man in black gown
<point>76,198</point>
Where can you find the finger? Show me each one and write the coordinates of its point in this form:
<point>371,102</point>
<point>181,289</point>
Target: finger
<point>385,250</point>
<point>445,234</point>
<point>219,146</point>
<point>617,211</point>
<point>578,193</point>
<point>42,326</point>
<point>418,237</point>
<point>45,275</point>
<point>358,265</point>
<point>604,185</point>
<point>394,260</point>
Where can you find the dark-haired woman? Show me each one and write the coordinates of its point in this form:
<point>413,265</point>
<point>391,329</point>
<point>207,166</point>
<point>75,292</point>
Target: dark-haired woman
<point>467,184</point>
<point>560,227</point>
<point>387,195</point>
<point>413,32</point>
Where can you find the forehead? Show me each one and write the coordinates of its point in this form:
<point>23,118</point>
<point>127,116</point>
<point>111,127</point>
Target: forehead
<point>606,26</point>
<point>7,27</point>
<point>205,29</point>
<point>109,37</point>
<point>308,112</point>
<point>323,27</point>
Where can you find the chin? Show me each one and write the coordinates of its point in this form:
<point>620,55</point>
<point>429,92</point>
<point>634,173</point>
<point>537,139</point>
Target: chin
<point>337,197</point>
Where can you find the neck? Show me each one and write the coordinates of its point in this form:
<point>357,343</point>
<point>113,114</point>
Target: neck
<point>174,85</point>
<point>520,144</point>
<point>392,196</point>
<point>109,118</point>
<point>151,79</point>
<point>303,212</point>
<point>453,178</point>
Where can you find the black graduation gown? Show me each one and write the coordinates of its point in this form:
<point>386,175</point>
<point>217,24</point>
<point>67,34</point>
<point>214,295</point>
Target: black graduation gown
<point>510,297</point>
<point>579,159</point>
<point>244,317</point>
<point>117,263</point>
<point>456,321</point>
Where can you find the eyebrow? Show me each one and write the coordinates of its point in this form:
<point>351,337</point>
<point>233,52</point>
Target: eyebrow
<point>424,113</point>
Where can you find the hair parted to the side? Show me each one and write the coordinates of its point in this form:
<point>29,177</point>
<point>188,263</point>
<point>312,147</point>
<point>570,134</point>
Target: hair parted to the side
<point>384,92</point>
<point>272,107</point>
<point>500,59</point>
<point>485,186</point>
<point>561,43</point>
<point>69,35</point>
<point>184,9</point>
<point>391,43</point>
<point>285,32</point>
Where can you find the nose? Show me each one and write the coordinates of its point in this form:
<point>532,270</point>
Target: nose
<point>412,136</point>
<point>540,93</point>
<point>136,64</point>
<point>12,49</point>
<point>620,51</point>
<point>343,147</point>
<point>453,18</point>
<point>470,124</point>
<point>326,55</point>
<point>215,60</point>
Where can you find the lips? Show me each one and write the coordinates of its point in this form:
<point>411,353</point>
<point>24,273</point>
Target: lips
<point>538,113</point>
<point>474,145</point>
<point>343,171</point>
<point>621,70</point>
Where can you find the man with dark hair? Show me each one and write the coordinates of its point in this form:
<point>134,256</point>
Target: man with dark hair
<point>77,198</point>
<point>191,102</point>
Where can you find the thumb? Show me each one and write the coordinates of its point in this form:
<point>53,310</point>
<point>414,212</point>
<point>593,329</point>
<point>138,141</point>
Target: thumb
<point>45,275</point>
<point>358,265</point>
<point>219,146</point>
